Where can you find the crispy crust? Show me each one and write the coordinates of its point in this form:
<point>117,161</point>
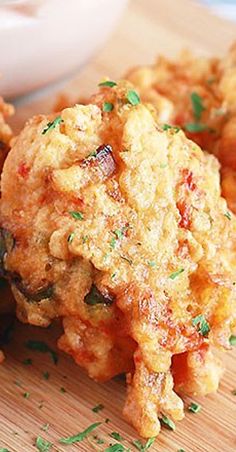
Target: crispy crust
<point>127,244</point>
<point>168,85</point>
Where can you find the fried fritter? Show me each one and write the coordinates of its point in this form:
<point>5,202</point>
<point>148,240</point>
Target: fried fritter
<point>197,94</point>
<point>118,227</point>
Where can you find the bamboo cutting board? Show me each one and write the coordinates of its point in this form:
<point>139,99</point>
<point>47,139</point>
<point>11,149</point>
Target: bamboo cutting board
<point>61,395</point>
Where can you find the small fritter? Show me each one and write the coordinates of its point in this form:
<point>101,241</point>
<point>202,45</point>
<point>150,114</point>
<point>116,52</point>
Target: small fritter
<point>197,94</point>
<point>6,110</point>
<point>118,227</point>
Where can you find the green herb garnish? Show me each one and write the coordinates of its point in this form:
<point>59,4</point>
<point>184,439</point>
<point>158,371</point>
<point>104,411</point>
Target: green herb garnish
<point>3,449</point>
<point>196,127</point>
<point>52,125</point>
<point>98,408</point>
<point>107,107</point>
<point>45,427</point>
<point>62,390</point>
<point>42,347</point>
<point>46,375</point>
<point>176,129</point>
<point>197,106</point>
<point>143,447</point>
<point>27,361</point>
<point>228,215</point>
<point>180,450</point>
<point>77,215</point>
<point>43,445</point>
<point>26,395</point>
<point>133,97</point>
<point>151,263</point>
<point>234,392</point>
<point>176,274</point>
<point>202,325</point>
<point>194,407</point>
<point>168,423</point>
<point>117,436</point>
<point>71,237</point>
<point>108,83</point>
<point>232,340</point>
<point>116,448</point>
<point>80,436</point>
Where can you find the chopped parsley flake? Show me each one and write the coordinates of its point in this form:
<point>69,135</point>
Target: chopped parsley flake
<point>51,125</point>
<point>76,215</point>
<point>98,408</point>
<point>116,448</point>
<point>43,445</point>
<point>197,106</point>
<point>228,215</point>
<point>143,447</point>
<point>196,127</point>
<point>151,263</point>
<point>62,390</point>
<point>133,97</point>
<point>42,347</point>
<point>45,427</point>
<point>71,237</point>
<point>26,395</point>
<point>113,242</point>
<point>194,407</point>
<point>80,436</point>
<point>108,83</point>
<point>84,239</point>
<point>168,423</point>
<point>27,361</point>
<point>107,107</point>
<point>46,375</point>
<point>3,449</point>
<point>180,450</point>
<point>176,274</point>
<point>113,275</point>
<point>117,436</point>
<point>165,127</point>
<point>234,392</point>
<point>201,324</point>
<point>98,440</point>
<point>232,340</point>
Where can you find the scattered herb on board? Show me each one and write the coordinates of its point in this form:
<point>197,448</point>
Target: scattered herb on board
<point>98,408</point>
<point>80,436</point>
<point>108,83</point>
<point>194,407</point>
<point>202,325</point>
<point>167,422</point>
<point>107,420</point>
<point>176,129</point>
<point>197,106</point>
<point>116,448</point>
<point>42,347</point>
<point>232,340</point>
<point>107,107</point>
<point>180,450</point>
<point>26,395</point>
<point>143,447</point>
<point>116,436</point>
<point>76,215</point>
<point>98,440</point>
<point>234,392</point>
<point>62,390</point>
<point>52,124</point>
<point>3,449</point>
<point>176,274</point>
<point>46,375</point>
<point>27,362</point>
<point>43,445</point>
<point>45,427</point>
<point>228,215</point>
<point>133,97</point>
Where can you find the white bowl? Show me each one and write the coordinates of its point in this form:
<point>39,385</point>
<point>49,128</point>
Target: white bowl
<point>43,40</point>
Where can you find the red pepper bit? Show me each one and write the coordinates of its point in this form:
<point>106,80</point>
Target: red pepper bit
<point>23,170</point>
<point>188,179</point>
<point>184,211</point>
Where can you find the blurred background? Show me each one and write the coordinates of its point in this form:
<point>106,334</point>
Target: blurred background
<point>54,46</point>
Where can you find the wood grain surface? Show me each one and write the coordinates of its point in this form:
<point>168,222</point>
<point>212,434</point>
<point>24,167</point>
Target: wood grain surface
<point>29,401</point>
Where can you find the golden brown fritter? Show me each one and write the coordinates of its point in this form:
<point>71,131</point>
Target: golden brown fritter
<point>197,94</point>
<point>6,110</point>
<point>118,227</point>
